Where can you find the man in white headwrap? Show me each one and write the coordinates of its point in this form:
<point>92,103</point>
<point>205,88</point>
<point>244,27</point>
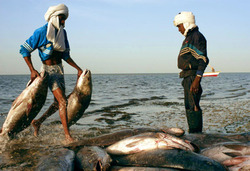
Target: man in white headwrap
<point>52,17</point>
<point>53,46</point>
<point>192,60</point>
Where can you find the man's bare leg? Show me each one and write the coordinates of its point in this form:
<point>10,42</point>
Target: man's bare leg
<point>62,103</point>
<point>37,123</point>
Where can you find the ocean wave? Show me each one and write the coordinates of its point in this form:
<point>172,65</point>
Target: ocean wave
<point>207,94</point>
<point>234,90</point>
<point>168,103</point>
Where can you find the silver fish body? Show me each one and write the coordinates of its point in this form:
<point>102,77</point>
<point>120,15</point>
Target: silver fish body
<point>147,141</point>
<point>26,106</point>
<point>111,138</point>
<point>79,99</point>
<point>173,158</point>
<point>207,140</point>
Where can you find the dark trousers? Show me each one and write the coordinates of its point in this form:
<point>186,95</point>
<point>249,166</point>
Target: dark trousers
<point>191,100</point>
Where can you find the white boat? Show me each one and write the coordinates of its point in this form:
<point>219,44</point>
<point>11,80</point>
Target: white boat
<point>211,74</point>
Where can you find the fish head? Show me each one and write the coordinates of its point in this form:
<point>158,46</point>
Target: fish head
<point>41,78</point>
<point>84,82</point>
<point>161,135</point>
<point>43,74</point>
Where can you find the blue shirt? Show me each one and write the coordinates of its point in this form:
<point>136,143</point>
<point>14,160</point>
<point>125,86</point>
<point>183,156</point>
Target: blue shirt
<point>45,48</point>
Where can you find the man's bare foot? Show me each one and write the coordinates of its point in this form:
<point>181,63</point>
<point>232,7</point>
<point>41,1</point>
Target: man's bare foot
<point>36,126</point>
<point>68,139</point>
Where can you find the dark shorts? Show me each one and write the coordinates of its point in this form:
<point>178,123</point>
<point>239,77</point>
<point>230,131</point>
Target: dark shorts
<point>191,99</point>
<point>55,76</point>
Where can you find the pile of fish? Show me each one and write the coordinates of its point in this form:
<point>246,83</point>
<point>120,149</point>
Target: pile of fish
<point>152,149</point>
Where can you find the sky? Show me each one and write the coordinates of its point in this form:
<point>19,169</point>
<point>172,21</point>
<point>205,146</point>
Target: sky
<point>129,36</point>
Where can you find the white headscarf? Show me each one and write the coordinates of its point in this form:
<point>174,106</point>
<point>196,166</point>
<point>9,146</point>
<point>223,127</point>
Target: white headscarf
<point>51,16</point>
<point>187,19</point>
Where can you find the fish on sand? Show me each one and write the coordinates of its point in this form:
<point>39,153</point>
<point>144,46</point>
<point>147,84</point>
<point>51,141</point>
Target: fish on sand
<point>111,138</point>
<point>148,141</point>
<point>173,158</point>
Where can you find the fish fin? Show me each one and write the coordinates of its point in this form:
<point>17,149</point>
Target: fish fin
<point>196,148</point>
<point>98,166</point>
<point>16,103</point>
<point>169,148</point>
<point>29,107</point>
<point>136,150</point>
<point>28,84</point>
<point>234,146</point>
<point>133,143</point>
<point>233,154</point>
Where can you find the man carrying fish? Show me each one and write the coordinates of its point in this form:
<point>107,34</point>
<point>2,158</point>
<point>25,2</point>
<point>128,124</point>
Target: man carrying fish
<point>53,46</point>
<point>192,60</point>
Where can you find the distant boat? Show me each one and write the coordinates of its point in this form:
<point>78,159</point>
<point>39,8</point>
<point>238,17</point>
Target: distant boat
<point>211,74</point>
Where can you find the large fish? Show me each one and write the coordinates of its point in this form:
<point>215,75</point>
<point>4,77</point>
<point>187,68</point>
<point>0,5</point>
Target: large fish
<point>93,158</point>
<point>148,141</point>
<point>174,158</point>
<point>61,159</point>
<point>208,140</point>
<point>109,139</point>
<point>26,106</point>
<point>78,100</point>
<point>224,151</point>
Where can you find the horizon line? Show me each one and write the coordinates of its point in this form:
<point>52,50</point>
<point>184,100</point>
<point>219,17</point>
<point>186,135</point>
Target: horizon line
<point>135,73</point>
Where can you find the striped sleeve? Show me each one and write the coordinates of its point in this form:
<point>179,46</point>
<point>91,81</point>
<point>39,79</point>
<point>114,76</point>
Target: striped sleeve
<point>194,51</point>
<point>30,44</point>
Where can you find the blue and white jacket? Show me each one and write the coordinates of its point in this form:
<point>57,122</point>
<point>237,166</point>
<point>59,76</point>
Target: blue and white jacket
<point>39,41</point>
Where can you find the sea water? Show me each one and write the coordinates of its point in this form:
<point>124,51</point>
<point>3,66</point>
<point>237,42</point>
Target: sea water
<point>124,101</point>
